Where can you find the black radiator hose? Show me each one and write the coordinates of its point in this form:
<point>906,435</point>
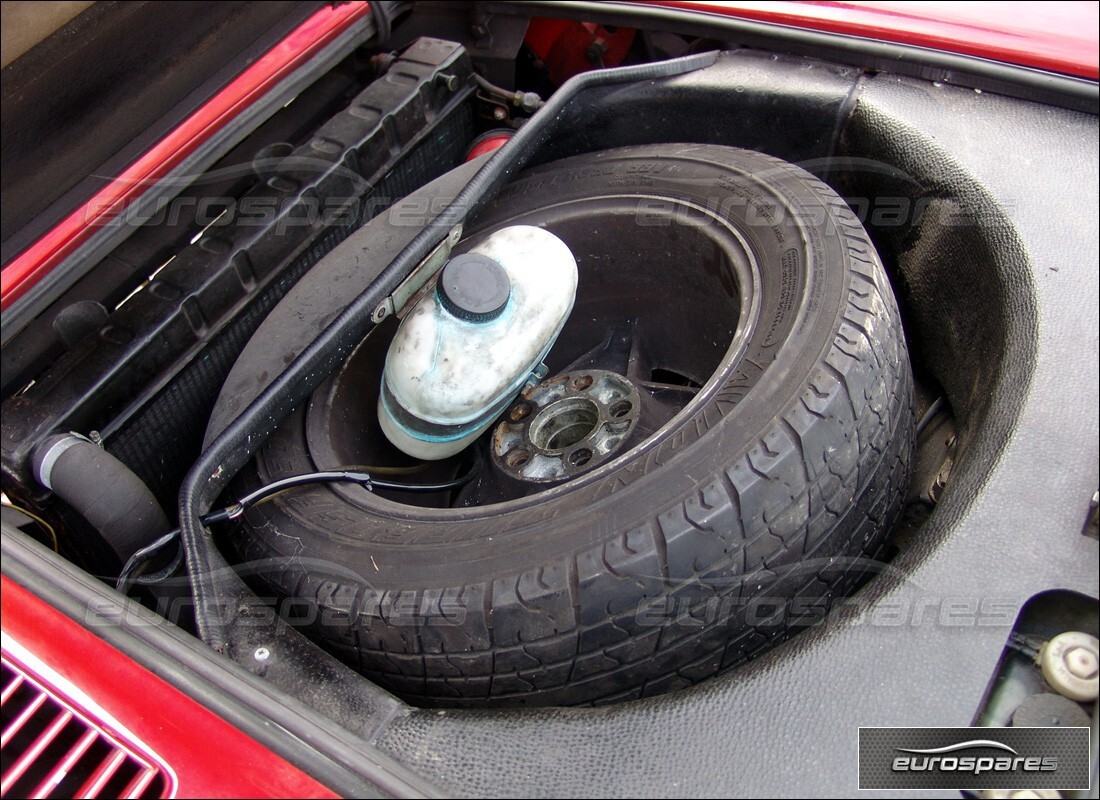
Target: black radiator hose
<point>103,489</point>
<point>241,439</point>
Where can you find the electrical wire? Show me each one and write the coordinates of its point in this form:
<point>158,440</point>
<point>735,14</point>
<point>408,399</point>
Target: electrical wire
<point>362,477</point>
<point>140,557</point>
<point>1027,646</point>
<point>527,101</point>
<point>491,89</point>
<point>48,527</point>
<point>413,470</point>
<point>927,416</point>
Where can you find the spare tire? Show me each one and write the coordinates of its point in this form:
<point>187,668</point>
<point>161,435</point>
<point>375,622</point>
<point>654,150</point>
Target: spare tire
<point>769,493</point>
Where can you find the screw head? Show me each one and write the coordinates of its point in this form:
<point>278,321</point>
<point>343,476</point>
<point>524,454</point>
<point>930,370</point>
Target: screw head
<point>262,654</point>
<point>1081,662</point>
<point>1069,665</point>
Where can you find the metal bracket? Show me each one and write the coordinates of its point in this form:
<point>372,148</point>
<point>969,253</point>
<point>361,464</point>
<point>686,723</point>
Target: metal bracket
<point>411,288</point>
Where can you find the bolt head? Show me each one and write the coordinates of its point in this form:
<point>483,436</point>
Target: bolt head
<point>1081,662</point>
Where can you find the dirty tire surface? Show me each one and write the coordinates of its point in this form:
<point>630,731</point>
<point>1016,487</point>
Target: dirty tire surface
<point>722,535</point>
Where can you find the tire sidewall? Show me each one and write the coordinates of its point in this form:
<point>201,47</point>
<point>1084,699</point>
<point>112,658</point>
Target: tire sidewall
<point>789,225</point>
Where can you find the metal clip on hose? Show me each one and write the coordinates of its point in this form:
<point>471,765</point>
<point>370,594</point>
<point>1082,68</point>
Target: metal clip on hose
<point>241,439</point>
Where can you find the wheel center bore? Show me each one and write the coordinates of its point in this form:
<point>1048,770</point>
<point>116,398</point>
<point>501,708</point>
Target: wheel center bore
<point>566,425</point>
<point>564,422</point>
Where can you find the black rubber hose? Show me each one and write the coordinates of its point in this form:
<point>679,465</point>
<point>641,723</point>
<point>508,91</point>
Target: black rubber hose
<point>243,437</point>
<point>102,489</point>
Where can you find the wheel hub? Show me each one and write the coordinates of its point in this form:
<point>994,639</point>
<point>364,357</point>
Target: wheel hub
<point>565,426</point>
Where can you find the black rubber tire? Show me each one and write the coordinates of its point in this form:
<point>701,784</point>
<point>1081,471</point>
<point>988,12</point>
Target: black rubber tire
<point>733,527</point>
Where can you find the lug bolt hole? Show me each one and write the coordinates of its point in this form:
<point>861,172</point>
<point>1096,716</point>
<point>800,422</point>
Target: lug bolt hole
<point>578,458</point>
<point>519,411</point>
<point>517,458</point>
<point>620,409</point>
<point>582,382</point>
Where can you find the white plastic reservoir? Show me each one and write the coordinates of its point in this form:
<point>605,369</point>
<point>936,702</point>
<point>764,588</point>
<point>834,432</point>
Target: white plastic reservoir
<point>467,349</point>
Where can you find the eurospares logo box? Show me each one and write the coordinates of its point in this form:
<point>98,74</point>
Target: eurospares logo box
<point>974,758</point>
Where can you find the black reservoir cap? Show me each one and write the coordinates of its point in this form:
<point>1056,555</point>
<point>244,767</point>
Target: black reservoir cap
<point>474,287</point>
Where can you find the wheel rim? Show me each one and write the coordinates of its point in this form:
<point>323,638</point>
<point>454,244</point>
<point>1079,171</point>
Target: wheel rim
<point>667,298</point>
